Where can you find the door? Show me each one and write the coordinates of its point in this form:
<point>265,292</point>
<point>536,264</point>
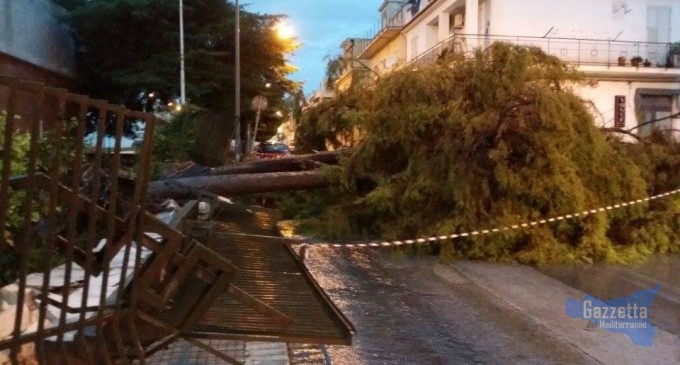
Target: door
<point>658,31</point>
<point>656,108</point>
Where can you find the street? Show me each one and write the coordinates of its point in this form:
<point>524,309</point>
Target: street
<point>416,311</point>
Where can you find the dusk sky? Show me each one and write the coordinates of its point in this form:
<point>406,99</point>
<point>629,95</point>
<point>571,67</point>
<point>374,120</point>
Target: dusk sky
<point>320,25</point>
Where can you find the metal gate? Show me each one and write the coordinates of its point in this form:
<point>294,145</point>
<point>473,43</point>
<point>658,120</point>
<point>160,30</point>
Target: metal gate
<point>70,215</point>
<point>95,278</point>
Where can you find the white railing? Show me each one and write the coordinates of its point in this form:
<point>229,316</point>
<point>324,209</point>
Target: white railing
<point>571,50</point>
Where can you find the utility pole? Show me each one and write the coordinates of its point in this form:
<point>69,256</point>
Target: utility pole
<point>182,84</point>
<point>237,87</point>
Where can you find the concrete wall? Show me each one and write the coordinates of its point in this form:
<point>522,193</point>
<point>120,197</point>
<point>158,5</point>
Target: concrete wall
<point>601,19</point>
<point>391,56</point>
<point>602,93</point>
<point>429,28</point>
<point>32,31</point>
<point>624,20</point>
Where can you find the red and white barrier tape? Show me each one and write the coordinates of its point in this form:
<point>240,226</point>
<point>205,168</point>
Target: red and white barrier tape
<point>380,244</point>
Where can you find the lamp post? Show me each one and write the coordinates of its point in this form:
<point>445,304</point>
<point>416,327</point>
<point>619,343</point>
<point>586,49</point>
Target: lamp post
<point>182,85</point>
<point>237,85</point>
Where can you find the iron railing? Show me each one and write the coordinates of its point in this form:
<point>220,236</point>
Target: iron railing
<point>56,204</point>
<point>97,279</point>
<point>571,50</point>
<point>394,22</point>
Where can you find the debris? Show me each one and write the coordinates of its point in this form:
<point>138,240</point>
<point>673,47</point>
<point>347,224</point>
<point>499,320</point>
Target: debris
<point>204,209</point>
<point>29,322</point>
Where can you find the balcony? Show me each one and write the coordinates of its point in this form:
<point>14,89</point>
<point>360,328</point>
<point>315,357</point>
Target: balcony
<point>387,32</point>
<point>353,48</point>
<point>578,52</point>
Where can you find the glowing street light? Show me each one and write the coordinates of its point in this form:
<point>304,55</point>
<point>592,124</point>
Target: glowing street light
<point>284,30</point>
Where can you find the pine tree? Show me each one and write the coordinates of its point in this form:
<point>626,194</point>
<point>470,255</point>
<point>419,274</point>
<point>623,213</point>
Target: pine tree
<point>493,140</point>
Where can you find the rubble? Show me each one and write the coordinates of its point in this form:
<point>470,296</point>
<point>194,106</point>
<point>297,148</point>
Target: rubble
<point>29,321</point>
<point>74,297</point>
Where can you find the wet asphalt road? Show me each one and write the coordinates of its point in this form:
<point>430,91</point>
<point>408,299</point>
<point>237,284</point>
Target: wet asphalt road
<point>405,314</point>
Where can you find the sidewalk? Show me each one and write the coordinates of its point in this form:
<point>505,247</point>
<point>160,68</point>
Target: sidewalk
<point>247,353</point>
<point>542,299</point>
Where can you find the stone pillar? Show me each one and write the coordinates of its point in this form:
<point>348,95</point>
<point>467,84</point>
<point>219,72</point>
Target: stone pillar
<point>444,26</point>
<point>471,17</point>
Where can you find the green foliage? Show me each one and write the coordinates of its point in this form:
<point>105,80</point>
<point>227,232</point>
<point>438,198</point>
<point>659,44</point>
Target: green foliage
<point>332,123</point>
<point>495,140</point>
<point>175,141</point>
<point>129,48</point>
<point>334,68</point>
<point>19,158</point>
<point>675,48</point>
<point>17,209</point>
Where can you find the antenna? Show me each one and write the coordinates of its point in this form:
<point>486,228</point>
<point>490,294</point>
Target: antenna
<point>621,5</point>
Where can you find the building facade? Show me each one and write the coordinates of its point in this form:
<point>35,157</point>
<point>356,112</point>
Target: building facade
<point>625,48</point>
<point>35,45</point>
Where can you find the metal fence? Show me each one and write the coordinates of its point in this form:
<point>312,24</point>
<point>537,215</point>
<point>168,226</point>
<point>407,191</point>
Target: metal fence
<point>95,278</point>
<point>574,51</point>
<point>69,220</point>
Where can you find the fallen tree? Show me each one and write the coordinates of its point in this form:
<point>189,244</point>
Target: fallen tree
<point>241,184</point>
<point>250,177</point>
<point>490,141</point>
<point>290,163</point>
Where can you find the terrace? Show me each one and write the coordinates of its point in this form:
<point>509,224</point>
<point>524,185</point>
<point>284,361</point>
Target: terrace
<point>578,52</point>
<point>389,30</point>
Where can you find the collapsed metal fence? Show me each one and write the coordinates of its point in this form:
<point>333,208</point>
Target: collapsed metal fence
<point>89,275</point>
<point>70,296</point>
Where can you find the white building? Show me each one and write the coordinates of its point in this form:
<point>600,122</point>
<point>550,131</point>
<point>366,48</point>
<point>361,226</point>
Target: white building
<point>603,38</point>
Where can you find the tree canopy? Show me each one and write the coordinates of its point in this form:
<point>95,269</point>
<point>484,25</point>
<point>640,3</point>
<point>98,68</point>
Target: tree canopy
<point>490,141</point>
<point>129,49</point>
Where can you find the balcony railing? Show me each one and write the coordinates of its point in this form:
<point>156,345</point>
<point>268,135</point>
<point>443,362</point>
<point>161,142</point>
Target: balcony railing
<point>360,45</point>
<point>395,22</point>
<point>571,50</point>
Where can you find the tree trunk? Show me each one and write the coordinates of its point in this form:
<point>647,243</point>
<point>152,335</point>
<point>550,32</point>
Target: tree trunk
<point>241,184</point>
<point>292,163</point>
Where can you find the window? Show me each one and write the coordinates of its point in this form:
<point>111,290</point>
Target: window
<point>659,24</point>
<point>655,108</point>
<point>414,47</point>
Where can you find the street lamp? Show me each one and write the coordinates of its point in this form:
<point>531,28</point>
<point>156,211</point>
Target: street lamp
<point>182,85</point>
<point>237,84</point>
<point>284,30</point>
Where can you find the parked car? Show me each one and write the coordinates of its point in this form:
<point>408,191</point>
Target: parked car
<point>272,150</point>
